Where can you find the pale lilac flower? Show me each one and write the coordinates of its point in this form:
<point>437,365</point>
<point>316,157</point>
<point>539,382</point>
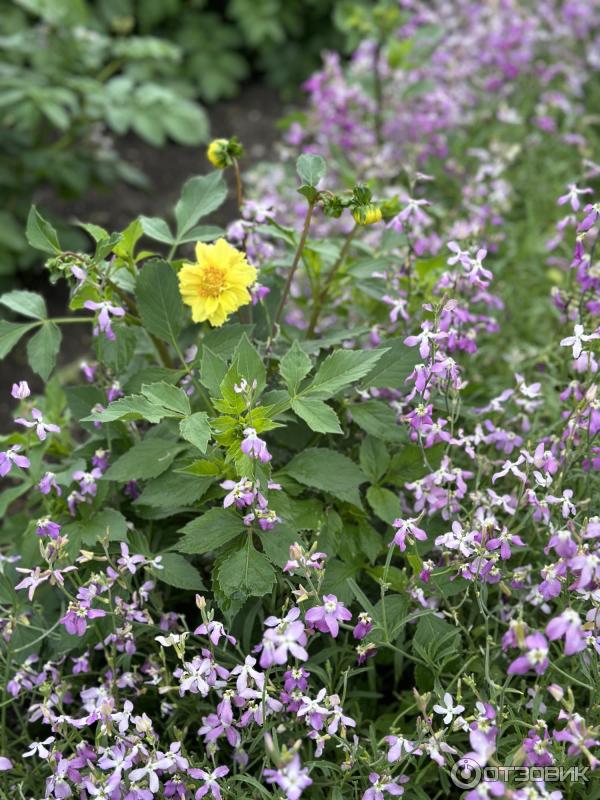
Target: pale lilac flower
<point>567,624</point>
<point>215,631</point>
<point>48,482</point>
<point>20,390</point>
<point>129,562</point>
<point>78,613</point>
<point>45,527</point>
<point>397,745</point>
<point>407,530</point>
<point>292,778</point>
<point>535,658</point>
<point>10,457</point>
<point>106,309</point>
<point>89,371</point>
<point>255,447</point>
<point>210,781</point>
<point>5,764</point>
<point>327,617</point>
<point>572,196</point>
<point>37,422</point>
<point>384,785</point>
<point>283,637</point>
<point>240,493</point>
<point>87,480</point>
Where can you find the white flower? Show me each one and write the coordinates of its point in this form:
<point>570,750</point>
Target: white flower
<point>172,640</point>
<point>577,339</point>
<point>449,710</point>
<point>39,748</point>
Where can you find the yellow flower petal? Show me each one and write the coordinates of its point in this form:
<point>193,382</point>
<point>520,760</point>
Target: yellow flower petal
<point>217,283</point>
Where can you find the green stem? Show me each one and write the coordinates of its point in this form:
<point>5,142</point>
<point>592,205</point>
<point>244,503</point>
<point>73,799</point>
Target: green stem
<point>238,184</point>
<point>322,295</point>
<point>294,267</point>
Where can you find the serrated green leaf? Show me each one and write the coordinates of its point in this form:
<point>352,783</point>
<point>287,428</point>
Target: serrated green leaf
<point>177,571</point>
<point>159,301</point>
<point>378,419</point>
<point>384,503</point>
<point>167,396</point>
<point>328,471</point>
<point>173,490</point>
<point>212,530</point>
<point>394,367</point>
<point>212,371</point>
<point>294,367</point>
<point>28,304</point>
<point>196,429</point>
<point>340,369</point>
<point>133,407</point>
<point>250,365</point>
<point>108,522</point>
<point>148,459</point>
<point>11,333</point>
<point>246,573</point>
<point>318,415</point>
<point>374,458</point>
<point>43,348</point>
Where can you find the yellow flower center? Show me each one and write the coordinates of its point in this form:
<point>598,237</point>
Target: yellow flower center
<point>213,281</point>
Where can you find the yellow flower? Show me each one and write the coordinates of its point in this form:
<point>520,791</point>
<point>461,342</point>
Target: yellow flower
<point>217,284</point>
<point>217,153</point>
<point>367,215</point>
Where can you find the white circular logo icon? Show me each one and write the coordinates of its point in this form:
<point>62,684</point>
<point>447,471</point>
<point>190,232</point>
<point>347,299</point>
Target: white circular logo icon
<point>466,773</point>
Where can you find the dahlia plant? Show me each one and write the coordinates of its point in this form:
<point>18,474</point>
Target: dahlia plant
<point>313,522</point>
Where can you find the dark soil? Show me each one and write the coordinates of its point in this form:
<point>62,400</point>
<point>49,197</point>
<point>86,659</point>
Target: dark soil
<point>251,116</point>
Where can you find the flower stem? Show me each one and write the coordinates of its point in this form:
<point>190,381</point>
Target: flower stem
<point>293,268</point>
<point>323,292</point>
<point>238,184</point>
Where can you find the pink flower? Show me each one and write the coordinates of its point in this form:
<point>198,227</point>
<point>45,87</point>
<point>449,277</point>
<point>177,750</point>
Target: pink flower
<point>291,777</point>
<point>254,447</point>
<point>327,617</point>
<point>567,624</point>
<point>20,390</point>
<point>535,658</point>
<point>78,613</point>
<point>407,530</point>
<point>106,309</point>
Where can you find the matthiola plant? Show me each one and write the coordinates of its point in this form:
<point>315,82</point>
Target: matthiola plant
<point>311,521</point>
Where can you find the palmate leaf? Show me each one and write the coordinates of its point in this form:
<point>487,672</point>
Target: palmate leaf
<point>246,573</point>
